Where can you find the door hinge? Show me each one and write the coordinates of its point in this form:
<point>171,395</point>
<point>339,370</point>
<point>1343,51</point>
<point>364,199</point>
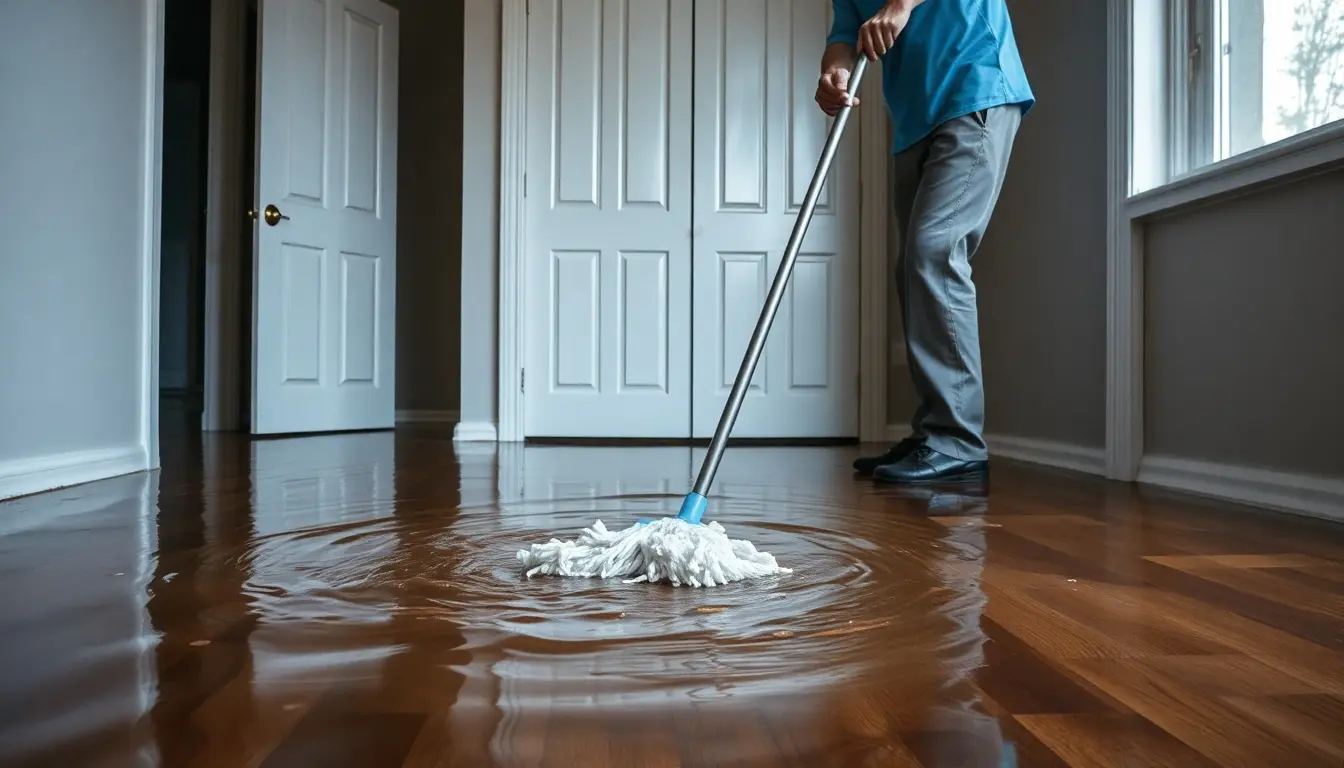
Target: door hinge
<point>522,380</point>
<point>524,184</point>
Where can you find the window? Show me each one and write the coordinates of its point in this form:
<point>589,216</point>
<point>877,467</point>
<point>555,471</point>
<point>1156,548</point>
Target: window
<point>1239,75</point>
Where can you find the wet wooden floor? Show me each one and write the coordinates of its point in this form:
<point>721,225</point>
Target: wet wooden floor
<point>352,600</point>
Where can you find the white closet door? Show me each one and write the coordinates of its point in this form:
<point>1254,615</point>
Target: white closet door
<point>608,219</point>
<point>758,135</point>
<point>325,277</point>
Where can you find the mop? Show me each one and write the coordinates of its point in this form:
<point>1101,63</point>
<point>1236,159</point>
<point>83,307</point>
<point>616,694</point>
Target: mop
<point>682,550</point>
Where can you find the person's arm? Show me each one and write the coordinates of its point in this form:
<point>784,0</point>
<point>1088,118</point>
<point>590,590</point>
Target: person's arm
<point>839,58</point>
<point>843,40</point>
<point>850,36</point>
<point>877,35</point>
<point>841,55</point>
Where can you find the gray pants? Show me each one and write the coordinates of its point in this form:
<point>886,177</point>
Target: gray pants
<point>945,190</point>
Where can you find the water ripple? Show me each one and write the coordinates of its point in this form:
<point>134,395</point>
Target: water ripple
<point>862,583</point>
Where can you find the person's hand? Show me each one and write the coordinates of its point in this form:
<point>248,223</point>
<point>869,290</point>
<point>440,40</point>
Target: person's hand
<point>879,33</point>
<point>833,91</point>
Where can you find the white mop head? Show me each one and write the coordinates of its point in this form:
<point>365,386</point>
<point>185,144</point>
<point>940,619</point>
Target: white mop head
<point>670,549</point>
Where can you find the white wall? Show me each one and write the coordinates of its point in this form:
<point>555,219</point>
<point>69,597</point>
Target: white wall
<point>72,229</point>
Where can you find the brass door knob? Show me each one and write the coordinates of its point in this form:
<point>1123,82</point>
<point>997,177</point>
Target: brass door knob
<point>271,214</point>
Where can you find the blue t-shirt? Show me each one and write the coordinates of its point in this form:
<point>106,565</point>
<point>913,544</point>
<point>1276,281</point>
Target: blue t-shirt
<point>954,57</point>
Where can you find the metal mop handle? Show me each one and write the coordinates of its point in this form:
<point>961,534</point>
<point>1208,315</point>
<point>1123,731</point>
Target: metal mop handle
<point>757,345</point>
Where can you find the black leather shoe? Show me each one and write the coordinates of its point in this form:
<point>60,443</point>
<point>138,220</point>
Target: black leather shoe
<point>865,465</point>
<point>925,466</point>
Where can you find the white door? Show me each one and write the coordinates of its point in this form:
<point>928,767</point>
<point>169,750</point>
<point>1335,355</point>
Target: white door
<point>758,136</point>
<point>325,267</point>
<point>655,225</point>
<point>608,219</point>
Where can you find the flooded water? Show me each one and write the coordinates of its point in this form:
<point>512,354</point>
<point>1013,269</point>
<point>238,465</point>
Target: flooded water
<point>357,600</point>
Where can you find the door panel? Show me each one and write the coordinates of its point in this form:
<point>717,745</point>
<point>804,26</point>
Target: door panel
<point>638,322</point>
<point>608,219</point>
<point>325,274</point>
<point>758,135</point>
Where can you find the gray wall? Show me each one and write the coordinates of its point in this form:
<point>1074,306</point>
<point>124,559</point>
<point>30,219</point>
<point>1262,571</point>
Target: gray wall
<point>901,400</point>
<point>429,216</point>
<point>480,210</point>
<point>1244,330</point>
<point>1041,269</point>
<point>71,225</point>
<point>1045,274</point>
<point>182,244</point>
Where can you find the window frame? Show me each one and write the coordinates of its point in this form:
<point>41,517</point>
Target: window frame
<point>1180,132</point>
<point>1143,63</point>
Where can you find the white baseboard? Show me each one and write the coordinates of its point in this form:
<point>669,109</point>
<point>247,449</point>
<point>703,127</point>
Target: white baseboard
<point>22,477</point>
<point>475,432</point>
<point>1281,491</point>
<point>426,417</point>
<point>1079,458</point>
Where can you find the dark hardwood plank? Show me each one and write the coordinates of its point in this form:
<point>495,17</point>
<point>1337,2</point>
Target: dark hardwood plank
<point>1103,741</point>
<point>353,600</point>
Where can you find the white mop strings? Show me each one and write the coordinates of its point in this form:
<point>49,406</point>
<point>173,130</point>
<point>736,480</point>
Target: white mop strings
<point>669,549</point>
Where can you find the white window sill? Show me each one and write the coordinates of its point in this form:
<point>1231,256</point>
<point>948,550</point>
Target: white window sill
<point>1309,152</point>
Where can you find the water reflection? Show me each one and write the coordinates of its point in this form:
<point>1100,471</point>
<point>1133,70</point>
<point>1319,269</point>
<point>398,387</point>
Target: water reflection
<point>77,665</point>
<point>199,607</point>
<point>355,600</point>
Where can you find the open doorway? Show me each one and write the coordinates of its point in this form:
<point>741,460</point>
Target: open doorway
<point>208,183</point>
<point>278,230</point>
<point>186,100</point>
<point>247,170</point>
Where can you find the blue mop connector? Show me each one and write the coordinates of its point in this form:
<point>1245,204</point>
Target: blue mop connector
<point>693,508</point>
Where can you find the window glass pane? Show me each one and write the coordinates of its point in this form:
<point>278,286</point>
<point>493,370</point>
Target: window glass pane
<point>1279,71</point>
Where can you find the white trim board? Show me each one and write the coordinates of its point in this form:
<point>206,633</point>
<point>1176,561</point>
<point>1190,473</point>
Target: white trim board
<point>1124,273</point>
<point>24,477</point>
<point>874,139</point>
<point>427,417</point>
<point>512,222</point>
<point>1279,491</point>
<point>1135,148</point>
<point>1308,495</point>
<point>152,201</point>
<point>1048,453</point>
<point>1319,150</point>
<point>476,432</point>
